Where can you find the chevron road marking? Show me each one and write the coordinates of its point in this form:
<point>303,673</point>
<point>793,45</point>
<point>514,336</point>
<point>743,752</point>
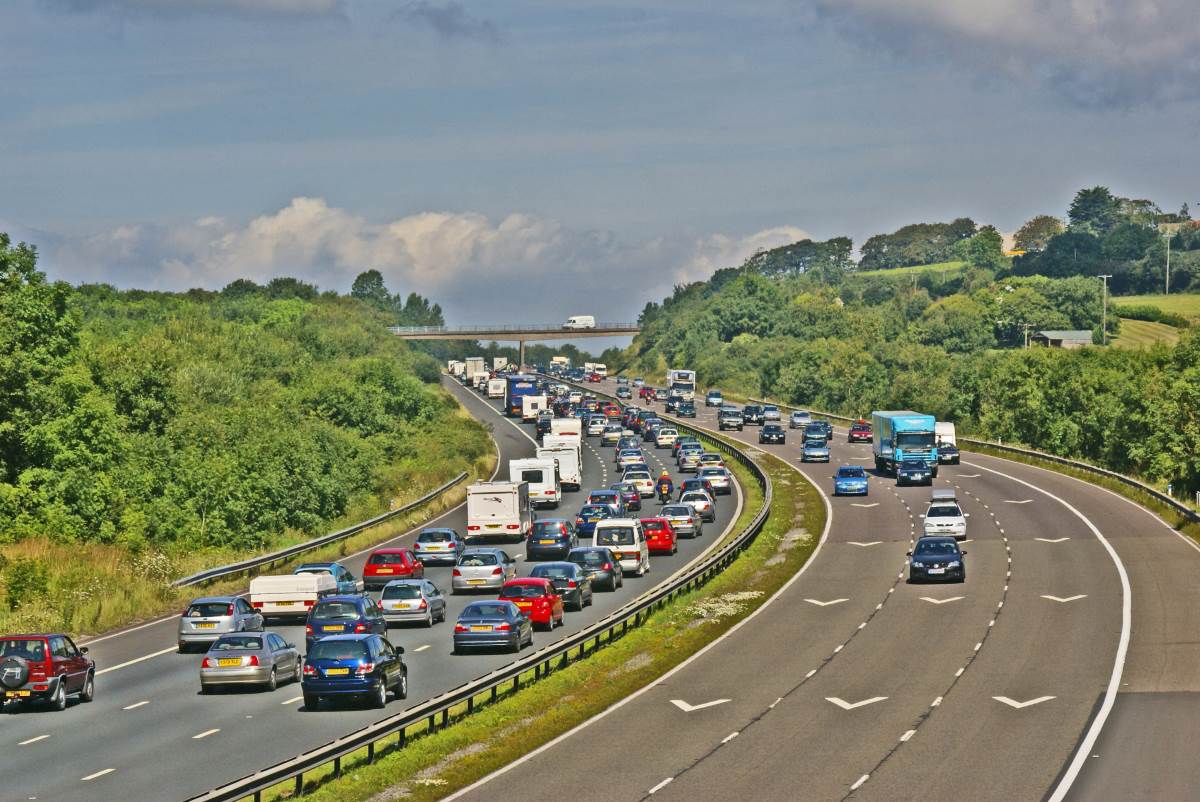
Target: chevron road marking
<point>1015,501</point>
<point>1021,705</point>
<point>844,705</point>
<point>820,603</point>
<point>687,708</point>
<point>1065,599</point>
<point>864,545</point>
<point>941,601</point>
<point>866,506</point>
<point>1052,539</point>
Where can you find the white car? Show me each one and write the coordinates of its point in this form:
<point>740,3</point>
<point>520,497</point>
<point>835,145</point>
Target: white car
<point>665,437</point>
<point>718,477</point>
<point>626,540</point>
<point>611,434</point>
<point>700,501</point>
<point>640,479</point>
<point>945,517</point>
<point>596,424</point>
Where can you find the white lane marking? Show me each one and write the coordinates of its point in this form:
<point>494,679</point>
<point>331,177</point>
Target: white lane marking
<point>904,738</point>
<point>1065,599</point>
<point>206,733</point>
<point>422,648</point>
<point>33,740</point>
<point>100,773</point>
<point>658,787</point>
<point>1016,501</point>
<point>136,705</point>
<point>1052,539</point>
<point>967,476</point>
<point>941,601</point>
<point>865,506</point>
<point>687,708</point>
<point>858,783</point>
<point>865,544</point>
<point>1114,680</point>
<point>729,737</point>
<point>291,701</point>
<point>844,705</point>
<point>150,656</point>
<point>1020,705</point>
<point>820,603</point>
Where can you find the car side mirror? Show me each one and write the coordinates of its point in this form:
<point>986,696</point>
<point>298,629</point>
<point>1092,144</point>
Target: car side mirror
<point>963,553</point>
<point>83,650</point>
<point>291,645</point>
<point>399,649</point>
<point>908,554</point>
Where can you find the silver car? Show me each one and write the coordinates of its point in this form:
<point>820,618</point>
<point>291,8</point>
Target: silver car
<point>596,424</point>
<point>434,546</point>
<point>718,478</point>
<point>483,569</point>
<point>611,434</point>
<point>702,503</point>
<point>250,658</point>
<point>683,518</point>
<point>770,412</point>
<point>799,419</point>
<point>689,461</point>
<point>210,617</point>
<point>416,600</point>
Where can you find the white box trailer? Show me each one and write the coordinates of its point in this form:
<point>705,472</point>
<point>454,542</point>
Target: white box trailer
<point>569,459</point>
<point>572,440</point>
<point>943,431</point>
<point>567,426</point>
<point>531,405</point>
<point>495,388</point>
<point>561,361</point>
<point>480,381</point>
<point>541,474</point>
<point>499,363</point>
<point>476,365</point>
<point>289,595</point>
<point>499,511</point>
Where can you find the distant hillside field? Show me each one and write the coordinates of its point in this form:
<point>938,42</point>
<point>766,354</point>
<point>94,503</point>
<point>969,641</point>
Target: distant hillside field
<point>1143,333</point>
<point>940,267</point>
<point>1186,304</point>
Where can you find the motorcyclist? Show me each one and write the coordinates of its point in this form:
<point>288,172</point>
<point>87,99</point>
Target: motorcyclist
<point>665,487</point>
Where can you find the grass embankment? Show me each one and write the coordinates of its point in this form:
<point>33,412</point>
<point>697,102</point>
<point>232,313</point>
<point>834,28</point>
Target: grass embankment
<point>1186,304</point>
<point>102,587</point>
<point>1144,334</point>
<point>939,267</point>
<point>436,764</point>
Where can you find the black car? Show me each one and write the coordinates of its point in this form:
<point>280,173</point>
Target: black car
<point>551,538</point>
<point>817,429</point>
<point>673,402</point>
<point>686,409</point>
<point>937,559</point>
<point>752,413</point>
<point>772,433</point>
<point>697,483</point>
<point>492,623</point>
<point>600,565</point>
<point>339,615</point>
<point>542,425</point>
<point>913,472</point>
<point>947,454</point>
<point>570,580</point>
<point>730,419</point>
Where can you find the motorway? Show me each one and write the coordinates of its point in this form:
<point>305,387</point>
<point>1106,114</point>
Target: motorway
<point>852,683</point>
<point>150,735</point>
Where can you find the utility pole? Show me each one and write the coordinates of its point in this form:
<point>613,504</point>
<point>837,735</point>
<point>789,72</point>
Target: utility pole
<point>1104,313</point>
<point>1026,327</point>
<point>1167,291</point>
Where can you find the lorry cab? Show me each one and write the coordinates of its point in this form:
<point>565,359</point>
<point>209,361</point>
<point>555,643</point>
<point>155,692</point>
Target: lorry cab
<point>900,436</point>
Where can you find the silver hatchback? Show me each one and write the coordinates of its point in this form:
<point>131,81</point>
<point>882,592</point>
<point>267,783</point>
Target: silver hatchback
<point>684,519</point>
<point>210,617</point>
<point>416,600</point>
<point>718,478</point>
<point>483,569</point>
<point>263,659</point>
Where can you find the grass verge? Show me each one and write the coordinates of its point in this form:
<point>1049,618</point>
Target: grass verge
<point>435,764</point>
<point>1143,334</point>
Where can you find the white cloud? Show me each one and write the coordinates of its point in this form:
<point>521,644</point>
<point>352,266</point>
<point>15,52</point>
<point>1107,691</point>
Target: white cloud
<point>1095,52</point>
<point>256,8</point>
<point>475,267</point>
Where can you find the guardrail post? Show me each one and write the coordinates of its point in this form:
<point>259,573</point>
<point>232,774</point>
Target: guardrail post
<point>298,787</point>
<point>470,704</point>
<point>445,717</point>
<point>371,752</point>
<point>433,722</point>
<point>337,767</point>
<point>402,737</point>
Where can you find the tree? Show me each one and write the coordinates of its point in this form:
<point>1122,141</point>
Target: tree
<point>1094,211</point>
<point>1128,241</point>
<point>284,287</point>
<point>1036,233</point>
<point>956,323</point>
<point>985,250</point>
<point>241,288</point>
<point>369,288</point>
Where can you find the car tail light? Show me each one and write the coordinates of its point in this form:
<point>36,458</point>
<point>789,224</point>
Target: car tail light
<point>423,605</point>
<point>309,671</point>
<point>472,528</point>
<point>457,572</point>
<point>513,526</point>
<point>229,610</point>
<point>572,583</point>
<point>41,687</point>
<point>308,630</point>
<point>606,567</point>
<point>497,571</point>
<point>206,664</point>
<point>309,602</point>
<point>253,660</point>
<point>502,627</point>
<point>364,669</point>
<point>360,627</point>
<point>256,605</point>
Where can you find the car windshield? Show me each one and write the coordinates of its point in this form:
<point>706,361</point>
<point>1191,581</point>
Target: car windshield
<point>552,572</point>
<point>435,537</point>
<point>33,649</point>
<point>523,592</point>
<point>234,643</point>
<point>208,609</point>
<point>478,559</point>
<point>338,650</point>
<point>547,528</point>
<point>851,473</point>
<point>913,464</point>
<point>914,439</point>
<point>676,510</point>
<point>937,548</point>
<point>485,610</point>
<point>401,592</point>
<point>944,511</point>
<point>335,610</point>
<point>814,442</point>
<point>387,558</point>
<point>605,497</point>
<point>615,536</point>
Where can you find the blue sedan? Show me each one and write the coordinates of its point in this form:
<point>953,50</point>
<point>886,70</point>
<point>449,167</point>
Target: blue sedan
<point>492,623</point>
<point>850,480</point>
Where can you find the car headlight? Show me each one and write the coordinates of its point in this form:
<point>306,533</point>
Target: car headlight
<point>953,564</point>
<point>918,566</point>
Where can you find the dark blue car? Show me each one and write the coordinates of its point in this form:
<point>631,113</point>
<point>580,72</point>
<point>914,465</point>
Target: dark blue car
<point>342,615</point>
<point>490,624</point>
<point>550,538</point>
<point>913,472</point>
<point>589,515</point>
<point>937,559</point>
<point>365,666</point>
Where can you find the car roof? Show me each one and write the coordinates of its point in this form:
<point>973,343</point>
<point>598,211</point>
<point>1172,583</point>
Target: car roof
<point>437,529</point>
<point>342,597</point>
<point>394,582</point>
<point>213,599</point>
<point>618,522</point>
<point>354,636</point>
<point>936,539</point>
<point>551,521</point>
<point>559,563</point>
<point>390,550</point>
<point>302,566</point>
<point>483,549</point>
<point>527,580</point>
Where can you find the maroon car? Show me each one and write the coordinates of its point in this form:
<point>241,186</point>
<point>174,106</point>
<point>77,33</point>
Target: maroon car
<point>46,668</point>
<point>860,432</point>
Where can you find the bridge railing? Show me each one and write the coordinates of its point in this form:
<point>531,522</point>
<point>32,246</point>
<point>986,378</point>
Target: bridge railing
<point>538,327</point>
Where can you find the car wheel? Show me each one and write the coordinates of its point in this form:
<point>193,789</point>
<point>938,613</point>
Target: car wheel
<point>402,686</point>
<point>205,690</point>
<point>311,701</point>
<point>429,619</point>
<point>59,700</point>
<point>379,696</point>
<point>299,670</point>
<point>516,647</point>
<point>89,689</point>
<point>273,680</point>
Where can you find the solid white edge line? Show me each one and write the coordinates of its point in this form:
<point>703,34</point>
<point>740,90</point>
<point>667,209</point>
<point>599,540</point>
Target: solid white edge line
<point>654,682</point>
<point>858,783</point>
<point>1114,682</point>
<point>100,773</point>
<point>136,705</point>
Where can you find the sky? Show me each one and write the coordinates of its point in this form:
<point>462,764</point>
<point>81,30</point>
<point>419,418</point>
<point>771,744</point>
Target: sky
<point>526,160</point>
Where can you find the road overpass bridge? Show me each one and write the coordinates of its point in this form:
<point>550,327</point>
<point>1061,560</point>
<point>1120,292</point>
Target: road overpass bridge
<point>514,333</point>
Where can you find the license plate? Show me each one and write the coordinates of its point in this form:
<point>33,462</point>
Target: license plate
<point>592,520</point>
<point>481,629</point>
<point>546,542</point>
<point>206,625</point>
<point>336,672</point>
<point>229,662</point>
<point>16,694</point>
<point>383,570</point>
<point>937,570</point>
<point>680,521</point>
<point>286,603</point>
<point>401,605</point>
<point>493,526</point>
<point>476,581</point>
<point>332,628</point>
<point>523,605</point>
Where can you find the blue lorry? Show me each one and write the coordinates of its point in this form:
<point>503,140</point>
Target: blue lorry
<point>897,436</point>
<point>515,387</point>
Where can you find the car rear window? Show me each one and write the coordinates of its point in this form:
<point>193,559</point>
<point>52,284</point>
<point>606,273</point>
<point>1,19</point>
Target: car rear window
<point>29,648</point>
<point>386,558</point>
<point>401,592</point>
<point>475,560</point>
<point>484,609</point>
<point>586,558</point>
<point>676,509</point>
<point>712,471</point>
<point>532,475</point>
<point>338,650</point>
<point>695,495</point>
<point>434,537</point>
<point>335,610</point>
<point>615,536</point>
<point>208,609</point>
<point>552,572</point>
<point>234,643</point>
<point>523,592</point>
<point>546,528</point>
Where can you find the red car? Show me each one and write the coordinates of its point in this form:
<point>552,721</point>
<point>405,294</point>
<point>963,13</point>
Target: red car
<point>536,598</point>
<point>45,668</point>
<point>860,432</point>
<point>660,536</point>
<point>595,377</point>
<point>384,565</point>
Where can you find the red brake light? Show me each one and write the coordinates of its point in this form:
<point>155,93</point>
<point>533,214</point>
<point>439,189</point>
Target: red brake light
<point>502,627</point>
<point>572,584</point>
<point>365,668</point>
<point>461,628</point>
<point>253,660</point>
<point>360,627</point>
<point>309,671</point>
<point>229,610</point>
<point>256,605</point>
<point>606,567</point>
<point>457,572</point>
<point>497,571</point>
<point>309,602</point>
<point>513,526</point>
<point>308,630</point>
<point>206,664</point>
<point>423,605</point>
<point>473,528</point>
